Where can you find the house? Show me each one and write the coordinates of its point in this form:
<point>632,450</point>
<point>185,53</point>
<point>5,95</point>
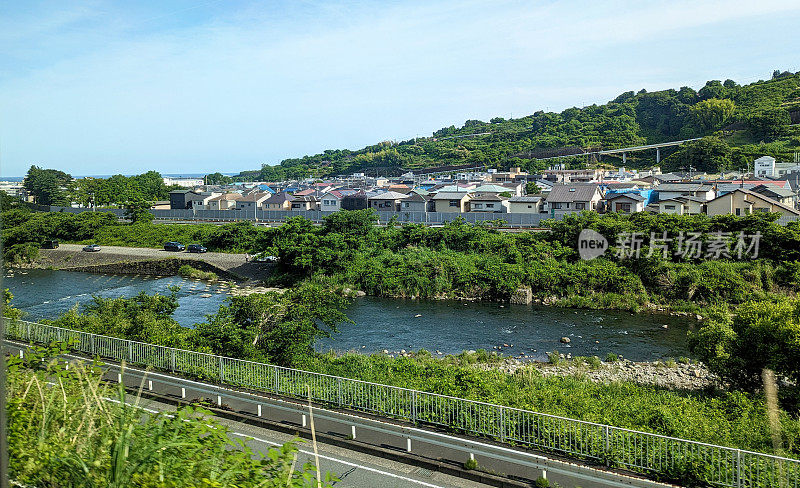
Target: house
<point>625,202</point>
<point>331,201</point>
<point>226,201</point>
<point>527,204</point>
<point>743,202</point>
<point>354,201</point>
<point>566,199</point>
<point>560,175</point>
<point>416,202</point>
<point>487,202</point>
<point>512,190</point>
<point>666,191</point>
<point>681,206</point>
<point>507,176</point>
<point>450,201</point>
<point>780,195</point>
<point>252,201</point>
<point>278,201</point>
<point>387,201</point>
<point>179,200</point>
<point>303,203</point>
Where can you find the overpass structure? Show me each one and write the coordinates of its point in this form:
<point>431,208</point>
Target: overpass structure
<point>435,429</point>
<point>623,150</point>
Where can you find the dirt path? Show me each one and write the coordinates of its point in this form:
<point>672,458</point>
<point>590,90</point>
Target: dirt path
<point>71,256</point>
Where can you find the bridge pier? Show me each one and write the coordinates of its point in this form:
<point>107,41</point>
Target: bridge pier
<point>624,159</point>
<point>658,155</point>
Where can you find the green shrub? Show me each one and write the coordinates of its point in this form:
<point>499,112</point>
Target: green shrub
<point>471,464</point>
<point>611,357</point>
<point>189,272</point>
<point>19,254</point>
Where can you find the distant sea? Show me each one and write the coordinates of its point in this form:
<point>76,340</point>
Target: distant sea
<point>171,175</point>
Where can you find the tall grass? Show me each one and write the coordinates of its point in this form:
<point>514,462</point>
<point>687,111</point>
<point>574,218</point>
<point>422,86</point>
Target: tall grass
<point>67,428</point>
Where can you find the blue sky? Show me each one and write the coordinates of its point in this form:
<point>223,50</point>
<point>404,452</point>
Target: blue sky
<point>102,87</point>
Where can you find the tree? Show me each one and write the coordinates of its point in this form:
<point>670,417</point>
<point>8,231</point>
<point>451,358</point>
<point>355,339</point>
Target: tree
<point>711,114</point>
<point>47,186</point>
<point>276,327</point>
<point>138,211</point>
<point>709,154</point>
<point>218,179</point>
<point>531,188</point>
<point>761,335</point>
<point>770,123</point>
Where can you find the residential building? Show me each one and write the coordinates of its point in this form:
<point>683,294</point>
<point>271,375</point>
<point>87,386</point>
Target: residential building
<point>450,201</point>
<point>780,195</point>
<point>226,201</point>
<point>252,201</point>
<point>507,176</point>
<point>331,201</point>
<point>354,201</point>
<point>625,202</point>
<point>666,191</point>
<point>566,199</point>
<point>184,182</point>
<point>304,203</point>
<point>743,202</point>
<point>527,204</point>
<point>278,201</point>
<point>415,202</point>
<point>387,201</point>
<point>487,202</point>
<point>681,206</point>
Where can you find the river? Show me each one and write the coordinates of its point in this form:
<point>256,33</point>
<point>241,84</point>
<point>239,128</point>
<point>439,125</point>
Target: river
<point>391,324</point>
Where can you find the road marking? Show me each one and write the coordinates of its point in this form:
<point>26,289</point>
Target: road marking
<point>309,453</point>
<point>346,463</point>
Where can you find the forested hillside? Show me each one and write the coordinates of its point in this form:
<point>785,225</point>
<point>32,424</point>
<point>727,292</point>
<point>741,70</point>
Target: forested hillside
<point>742,121</point>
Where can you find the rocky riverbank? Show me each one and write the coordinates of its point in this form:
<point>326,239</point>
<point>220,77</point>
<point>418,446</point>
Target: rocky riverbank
<point>684,375</point>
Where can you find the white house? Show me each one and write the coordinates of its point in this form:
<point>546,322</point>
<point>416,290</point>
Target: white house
<point>527,204</point>
<point>330,201</point>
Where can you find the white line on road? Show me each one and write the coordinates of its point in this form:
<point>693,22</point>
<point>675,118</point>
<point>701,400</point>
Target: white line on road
<point>347,463</point>
<point>341,461</point>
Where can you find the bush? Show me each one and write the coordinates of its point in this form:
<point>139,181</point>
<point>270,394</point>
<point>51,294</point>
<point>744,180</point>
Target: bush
<point>189,272</point>
<point>19,254</point>
<point>471,464</point>
<point>762,334</point>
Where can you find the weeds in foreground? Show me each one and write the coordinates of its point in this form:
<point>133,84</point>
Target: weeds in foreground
<point>67,428</point>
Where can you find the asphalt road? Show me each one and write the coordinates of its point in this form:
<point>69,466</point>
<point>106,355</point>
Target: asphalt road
<point>400,454</point>
<point>354,469</point>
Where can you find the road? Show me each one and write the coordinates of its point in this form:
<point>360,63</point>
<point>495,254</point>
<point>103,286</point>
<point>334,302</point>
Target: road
<point>361,446</point>
<point>354,469</point>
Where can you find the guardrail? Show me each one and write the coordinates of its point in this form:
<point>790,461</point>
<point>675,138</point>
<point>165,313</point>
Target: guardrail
<point>629,449</point>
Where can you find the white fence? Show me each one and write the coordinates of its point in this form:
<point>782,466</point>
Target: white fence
<point>629,449</point>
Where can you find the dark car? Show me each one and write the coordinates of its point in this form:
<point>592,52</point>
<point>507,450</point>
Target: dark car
<point>196,248</point>
<point>174,246</point>
<point>91,248</point>
<point>50,244</point>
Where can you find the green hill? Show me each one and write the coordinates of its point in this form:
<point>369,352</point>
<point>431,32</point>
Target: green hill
<point>740,122</point>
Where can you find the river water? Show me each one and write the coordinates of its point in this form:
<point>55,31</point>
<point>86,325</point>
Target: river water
<point>391,324</point>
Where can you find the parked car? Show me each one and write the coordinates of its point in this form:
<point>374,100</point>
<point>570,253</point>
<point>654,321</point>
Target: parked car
<point>265,259</point>
<point>174,246</point>
<point>91,248</point>
<point>50,244</point>
<point>196,248</point>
